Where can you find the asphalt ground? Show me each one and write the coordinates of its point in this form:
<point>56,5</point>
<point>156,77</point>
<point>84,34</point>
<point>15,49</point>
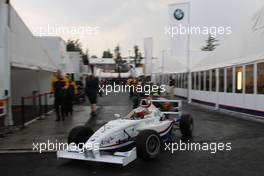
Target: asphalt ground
<point>245,158</point>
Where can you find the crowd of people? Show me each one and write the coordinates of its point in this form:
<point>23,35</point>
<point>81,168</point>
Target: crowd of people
<point>66,91</point>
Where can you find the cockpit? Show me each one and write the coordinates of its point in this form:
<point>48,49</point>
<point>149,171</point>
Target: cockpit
<point>145,110</point>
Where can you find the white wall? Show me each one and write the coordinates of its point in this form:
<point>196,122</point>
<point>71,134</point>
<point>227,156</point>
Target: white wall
<point>180,92</point>
<point>52,46</point>
<point>5,60</point>
<point>4,63</point>
<point>75,59</point>
<point>25,50</point>
<point>74,65</point>
<point>24,82</point>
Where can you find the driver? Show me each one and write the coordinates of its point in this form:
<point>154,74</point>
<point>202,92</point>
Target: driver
<point>143,110</point>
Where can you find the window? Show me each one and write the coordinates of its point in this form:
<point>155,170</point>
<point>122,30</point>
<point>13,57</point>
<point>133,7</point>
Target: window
<point>197,81</point>
<point>202,80</point>
<point>250,79</point>
<point>181,83</point>
<point>207,81</point>
<point>182,79</point>
<point>221,80</point>
<point>193,80</point>
<point>213,81</point>
<point>176,80</point>
<point>260,78</point>
<point>239,79</point>
<point>185,80</point>
<point>229,80</point>
<point>179,80</point>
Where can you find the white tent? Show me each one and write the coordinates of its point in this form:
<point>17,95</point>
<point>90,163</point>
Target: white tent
<point>25,49</point>
<point>56,48</point>
<point>74,62</point>
<point>171,64</point>
<point>243,48</point>
<point>246,42</point>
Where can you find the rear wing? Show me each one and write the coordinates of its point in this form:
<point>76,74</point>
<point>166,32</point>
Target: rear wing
<point>176,106</point>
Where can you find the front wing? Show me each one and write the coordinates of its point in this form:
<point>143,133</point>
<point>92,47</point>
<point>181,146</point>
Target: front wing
<point>122,158</point>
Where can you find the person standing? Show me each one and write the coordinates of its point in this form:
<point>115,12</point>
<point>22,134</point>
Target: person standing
<point>59,85</point>
<point>71,92</point>
<point>91,90</point>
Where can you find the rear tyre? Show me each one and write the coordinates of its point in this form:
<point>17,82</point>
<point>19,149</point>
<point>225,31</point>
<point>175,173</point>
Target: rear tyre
<point>79,135</point>
<point>186,125</point>
<point>148,144</point>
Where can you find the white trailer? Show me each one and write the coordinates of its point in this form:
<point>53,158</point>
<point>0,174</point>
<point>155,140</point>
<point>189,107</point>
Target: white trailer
<point>5,113</point>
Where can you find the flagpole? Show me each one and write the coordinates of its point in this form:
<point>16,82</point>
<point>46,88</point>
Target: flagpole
<point>188,60</point>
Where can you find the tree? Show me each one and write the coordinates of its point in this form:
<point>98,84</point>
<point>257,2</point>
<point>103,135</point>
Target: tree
<point>136,54</point>
<point>117,52</point>
<point>118,60</point>
<point>74,45</point>
<point>210,44</point>
<point>140,58</point>
<point>107,54</point>
<point>85,58</point>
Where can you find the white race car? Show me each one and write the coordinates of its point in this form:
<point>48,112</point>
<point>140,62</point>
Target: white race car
<point>139,134</point>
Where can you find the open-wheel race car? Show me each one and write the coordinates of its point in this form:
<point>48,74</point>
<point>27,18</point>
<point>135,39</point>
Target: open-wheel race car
<point>139,134</point>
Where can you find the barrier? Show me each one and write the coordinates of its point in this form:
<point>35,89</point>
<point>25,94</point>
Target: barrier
<point>38,107</point>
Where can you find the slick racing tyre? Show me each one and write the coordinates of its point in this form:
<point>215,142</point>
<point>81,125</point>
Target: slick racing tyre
<point>148,144</point>
<point>186,125</point>
<point>79,135</point>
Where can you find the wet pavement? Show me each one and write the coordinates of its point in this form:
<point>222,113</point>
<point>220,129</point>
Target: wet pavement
<point>108,106</point>
<point>43,130</point>
<point>245,158</point>
<point>48,129</point>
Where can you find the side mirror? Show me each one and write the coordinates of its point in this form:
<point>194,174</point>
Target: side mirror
<point>117,116</point>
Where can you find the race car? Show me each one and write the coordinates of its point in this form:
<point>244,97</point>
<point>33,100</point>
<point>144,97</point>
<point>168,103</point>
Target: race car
<point>141,134</point>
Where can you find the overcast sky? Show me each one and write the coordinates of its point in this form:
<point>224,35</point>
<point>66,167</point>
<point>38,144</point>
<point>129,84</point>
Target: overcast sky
<point>123,22</point>
<point>127,22</point>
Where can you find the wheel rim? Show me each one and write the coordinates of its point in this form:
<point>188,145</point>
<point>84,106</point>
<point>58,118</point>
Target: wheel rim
<point>153,144</point>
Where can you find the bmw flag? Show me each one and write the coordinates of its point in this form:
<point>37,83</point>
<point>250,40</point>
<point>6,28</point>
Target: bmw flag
<point>179,22</point>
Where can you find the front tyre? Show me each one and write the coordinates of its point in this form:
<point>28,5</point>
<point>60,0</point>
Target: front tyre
<point>186,125</point>
<point>79,135</point>
<point>148,144</point>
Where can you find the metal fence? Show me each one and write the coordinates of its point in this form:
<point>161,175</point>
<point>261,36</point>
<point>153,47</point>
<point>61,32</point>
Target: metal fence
<point>32,108</point>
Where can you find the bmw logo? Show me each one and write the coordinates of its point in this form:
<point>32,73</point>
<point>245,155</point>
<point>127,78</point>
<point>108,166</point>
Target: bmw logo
<point>178,14</point>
